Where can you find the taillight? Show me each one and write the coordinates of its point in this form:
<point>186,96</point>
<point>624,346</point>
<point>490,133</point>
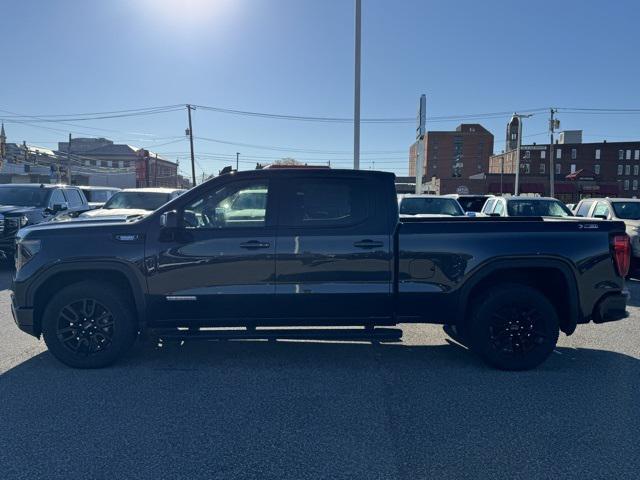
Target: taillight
<point>622,254</point>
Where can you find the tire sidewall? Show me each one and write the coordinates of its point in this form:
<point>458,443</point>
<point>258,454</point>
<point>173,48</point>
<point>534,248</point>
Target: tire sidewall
<point>124,331</point>
<point>514,295</point>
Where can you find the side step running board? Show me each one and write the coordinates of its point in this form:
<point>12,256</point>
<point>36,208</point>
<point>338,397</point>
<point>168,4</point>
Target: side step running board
<point>350,334</point>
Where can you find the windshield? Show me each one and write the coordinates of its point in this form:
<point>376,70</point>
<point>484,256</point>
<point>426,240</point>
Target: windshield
<point>23,196</point>
<point>472,204</point>
<point>430,206</point>
<point>537,208</point>
<point>138,200</point>
<point>627,210</point>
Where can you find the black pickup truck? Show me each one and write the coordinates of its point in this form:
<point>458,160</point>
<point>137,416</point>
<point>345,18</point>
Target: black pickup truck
<point>314,248</point>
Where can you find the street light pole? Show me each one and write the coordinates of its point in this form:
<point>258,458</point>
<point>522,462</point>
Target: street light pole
<point>356,99</point>
<point>237,161</point>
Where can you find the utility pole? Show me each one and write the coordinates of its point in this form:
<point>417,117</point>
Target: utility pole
<point>356,96</point>
<point>519,145</point>
<point>155,172</point>
<point>69,161</point>
<point>190,133</point>
<point>552,169</point>
<point>237,161</point>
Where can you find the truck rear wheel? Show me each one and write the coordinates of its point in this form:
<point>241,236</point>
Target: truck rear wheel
<point>514,327</point>
<point>88,325</point>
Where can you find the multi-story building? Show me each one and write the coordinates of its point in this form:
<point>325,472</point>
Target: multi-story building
<point>455,161</point>
<point>580,170</point>
<point>121,165</point>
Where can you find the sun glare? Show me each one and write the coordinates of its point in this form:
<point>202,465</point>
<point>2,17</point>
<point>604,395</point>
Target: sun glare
<point>187,13</point>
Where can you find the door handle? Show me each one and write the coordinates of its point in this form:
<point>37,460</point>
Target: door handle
<point>254,244</point>
<point>368,244</point>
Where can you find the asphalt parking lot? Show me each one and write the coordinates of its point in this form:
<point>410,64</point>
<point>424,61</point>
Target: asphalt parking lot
<point>423,408</point>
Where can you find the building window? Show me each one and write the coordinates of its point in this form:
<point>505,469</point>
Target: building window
<point>596,169</point>
<point>558,154</point>
<point>573,168</point>
<point>542,169</point>
<point>635,169</point>
<point>628,154</point>
<point>620,167</point>
<point>620,154</point>
<point>558,169</point>
<point>627,169</point>
<point>636,155</point>
<point>527,154</point>
<point>626,184</point>
<point>635,184</point>
<point>597,154</point>
<point>525,168</point>
<point>104,163</point>
<point>543,154</point>
<point>574,154</point>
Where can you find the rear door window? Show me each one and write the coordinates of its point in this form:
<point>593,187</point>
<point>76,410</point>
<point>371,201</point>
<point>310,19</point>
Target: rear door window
<point>73,198</point>
<point>325,202</point>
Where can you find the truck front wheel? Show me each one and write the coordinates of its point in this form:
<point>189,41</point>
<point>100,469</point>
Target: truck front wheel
<point>514,327</point>
<point>88,325</point>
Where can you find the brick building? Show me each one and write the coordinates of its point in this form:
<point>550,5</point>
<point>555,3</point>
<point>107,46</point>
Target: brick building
<point>580,170</point>
<point>455,161</point>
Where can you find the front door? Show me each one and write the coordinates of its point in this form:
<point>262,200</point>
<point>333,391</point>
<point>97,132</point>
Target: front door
<point>220,263</point>
<point>333,258</point>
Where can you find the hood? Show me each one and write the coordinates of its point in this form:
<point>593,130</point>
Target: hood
<point>115,213</point>
<point>17,210</point>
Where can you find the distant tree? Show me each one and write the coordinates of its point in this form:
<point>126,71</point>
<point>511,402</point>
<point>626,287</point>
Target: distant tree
<point>287,161</point>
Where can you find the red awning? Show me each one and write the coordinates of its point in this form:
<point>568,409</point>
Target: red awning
<point>532,188</point>
<point>506,187</point>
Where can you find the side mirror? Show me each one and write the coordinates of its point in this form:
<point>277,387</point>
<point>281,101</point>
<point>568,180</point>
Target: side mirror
<point>493,214</point>
<point>58,207</point>
<point>601,217</point>
<point>169,219</point>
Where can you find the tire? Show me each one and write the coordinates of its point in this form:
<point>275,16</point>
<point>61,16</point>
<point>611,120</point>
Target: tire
<point>514,327</point>
<point>88,325</point>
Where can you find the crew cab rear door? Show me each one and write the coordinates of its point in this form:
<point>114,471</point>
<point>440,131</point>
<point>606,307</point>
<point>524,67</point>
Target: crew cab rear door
<point>333,254</point>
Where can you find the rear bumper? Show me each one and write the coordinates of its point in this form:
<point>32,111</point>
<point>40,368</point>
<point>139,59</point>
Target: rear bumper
<point>23,317</point>
<point>612,307</point>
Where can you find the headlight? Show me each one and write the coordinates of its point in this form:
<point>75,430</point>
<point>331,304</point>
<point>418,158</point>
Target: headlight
<point>23,220</point>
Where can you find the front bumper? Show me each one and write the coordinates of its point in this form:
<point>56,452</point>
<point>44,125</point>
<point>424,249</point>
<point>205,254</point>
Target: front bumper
<point>23,318</point>
<point>612,307</point>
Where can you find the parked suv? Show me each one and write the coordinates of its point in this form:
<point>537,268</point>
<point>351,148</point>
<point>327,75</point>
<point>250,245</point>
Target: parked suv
<point>624,209</point>
<point>32,203</point>
<point>525,207</point>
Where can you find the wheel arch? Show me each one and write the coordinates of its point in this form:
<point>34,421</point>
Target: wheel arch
<point>552,277</point>
<point>55,278</point>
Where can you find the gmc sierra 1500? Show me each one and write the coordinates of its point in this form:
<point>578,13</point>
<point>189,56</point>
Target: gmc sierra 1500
<point>307,247</point>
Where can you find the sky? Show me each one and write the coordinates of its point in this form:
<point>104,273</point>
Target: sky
<point>295,57</point>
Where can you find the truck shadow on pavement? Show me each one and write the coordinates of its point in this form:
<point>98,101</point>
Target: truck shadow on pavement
<point>321,410</point>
